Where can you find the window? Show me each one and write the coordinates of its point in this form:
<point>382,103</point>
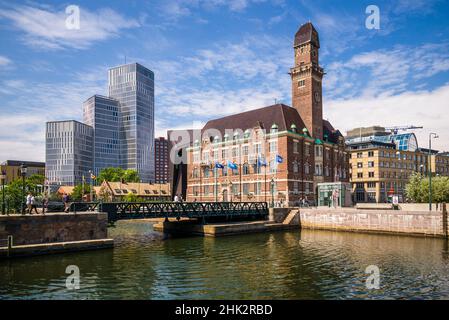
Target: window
<point>359,175</point>
<point>359,164</point>
<point>246,188</point>
<point>371,174</point>
<point>371,185</point>
<point>245,169</point>
<point>295,167</point>
<point>245,150</point>
<point>359,154</point>
<point>318,151</point>
<point>370,164</point>
<point>301,83</point>
<point>224,154</point>
<point>257,188</point>
<point>295,146</point>
<point>273,147</point>
<point>370,153</point>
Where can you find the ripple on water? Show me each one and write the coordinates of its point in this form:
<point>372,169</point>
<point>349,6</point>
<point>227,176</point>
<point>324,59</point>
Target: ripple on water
<point>286,265</point>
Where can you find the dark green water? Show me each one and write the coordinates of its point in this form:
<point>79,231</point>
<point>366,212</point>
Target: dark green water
<point>284,265</point>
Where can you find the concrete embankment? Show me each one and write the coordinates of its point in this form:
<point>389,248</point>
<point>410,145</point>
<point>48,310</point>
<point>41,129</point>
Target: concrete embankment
<point>53,233</point>
<point>417,223</point>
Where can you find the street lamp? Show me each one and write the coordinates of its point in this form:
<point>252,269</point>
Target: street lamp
<point>3,178</point>
<point>23,172</point>
<point>435,136</point>
<point>272,192</point>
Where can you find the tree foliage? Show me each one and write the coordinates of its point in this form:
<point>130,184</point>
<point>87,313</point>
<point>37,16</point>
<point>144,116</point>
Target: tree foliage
<point>118,174</point>
<point>78,193</point>
<point>417,189</point>
<point>15,196</point>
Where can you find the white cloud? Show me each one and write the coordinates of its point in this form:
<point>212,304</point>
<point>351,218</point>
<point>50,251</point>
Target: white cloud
<point>45,28</point>
<point>386,71</point>
<point>4,61</point>
<point>422,108</point>
<point>22,129</point>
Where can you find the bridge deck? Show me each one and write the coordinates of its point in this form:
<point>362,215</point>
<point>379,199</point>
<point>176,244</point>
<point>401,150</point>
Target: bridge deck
<point>201,210</point>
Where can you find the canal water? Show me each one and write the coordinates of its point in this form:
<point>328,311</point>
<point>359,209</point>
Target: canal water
<point>282,265</point>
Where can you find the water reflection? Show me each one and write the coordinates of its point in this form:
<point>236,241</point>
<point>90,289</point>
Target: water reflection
<point>285,265</point>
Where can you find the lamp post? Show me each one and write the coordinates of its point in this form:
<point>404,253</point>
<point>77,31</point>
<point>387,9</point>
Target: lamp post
<point>23,172</point>
<point>272,192</point>
<point>435,136</point>
<point>3,177</point>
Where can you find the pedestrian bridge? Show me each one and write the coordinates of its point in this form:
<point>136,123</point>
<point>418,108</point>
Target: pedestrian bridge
<point>206,211</point>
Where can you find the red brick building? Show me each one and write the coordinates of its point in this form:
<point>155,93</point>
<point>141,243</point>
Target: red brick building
<point>276,153</point>
<point>161,149</point>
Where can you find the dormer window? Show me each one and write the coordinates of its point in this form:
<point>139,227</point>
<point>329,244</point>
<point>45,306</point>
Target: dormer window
<point>274,128</point>
<point>196,143</point>
<point>226,137</point>
<point>216,139</point>
<point>236,136</point>
<point>305,131</point>
<point>293,128</point>
<point>247,134</point>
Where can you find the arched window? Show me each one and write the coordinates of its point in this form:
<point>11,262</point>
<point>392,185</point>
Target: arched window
<point>274,128</point>
<point>247,134</point>
<point>206,172</point>
<point>245,169</point>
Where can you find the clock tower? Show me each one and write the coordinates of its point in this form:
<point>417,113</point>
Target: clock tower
<point>307,78</point>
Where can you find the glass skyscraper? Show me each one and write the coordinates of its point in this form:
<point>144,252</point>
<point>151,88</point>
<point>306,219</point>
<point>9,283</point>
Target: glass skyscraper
<point>69,152</point>
<point>102,113</point>
<point>133,86</point>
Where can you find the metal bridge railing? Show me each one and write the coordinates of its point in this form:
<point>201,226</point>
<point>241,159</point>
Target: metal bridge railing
<point>136,210</point>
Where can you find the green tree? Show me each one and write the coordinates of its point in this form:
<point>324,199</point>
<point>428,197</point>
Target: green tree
<point>118,174</point>
<point>78,194</point>
<point>131,197</point>
<point>36,179</point>
<point>14,196</point>
<point>417,189</point>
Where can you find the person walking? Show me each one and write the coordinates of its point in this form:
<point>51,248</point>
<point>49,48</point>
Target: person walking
<point>45,203</point>
<point>65,199</point>
<point>28,202</point>
<point>33,204</point>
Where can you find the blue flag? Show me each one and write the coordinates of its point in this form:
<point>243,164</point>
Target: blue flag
<point>219,165</point>
<point>279,159</point>
<point>232,165</point>
<point>261,162</point>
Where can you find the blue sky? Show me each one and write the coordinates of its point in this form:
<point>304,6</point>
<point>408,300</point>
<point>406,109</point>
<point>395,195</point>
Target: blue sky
<point>213,58</point>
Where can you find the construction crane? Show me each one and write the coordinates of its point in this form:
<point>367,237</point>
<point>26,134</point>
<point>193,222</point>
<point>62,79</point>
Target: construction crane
<point>394,130</point>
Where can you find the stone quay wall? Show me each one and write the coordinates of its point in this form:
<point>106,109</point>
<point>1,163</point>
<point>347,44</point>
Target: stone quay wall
<point>423,223</point>
<point>49,228</point>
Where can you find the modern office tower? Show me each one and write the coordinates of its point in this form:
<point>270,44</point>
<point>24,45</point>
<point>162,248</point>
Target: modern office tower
<point>102,114</point>
<point>161,160</point>
<point>133,86</point>
<point>69,150</point>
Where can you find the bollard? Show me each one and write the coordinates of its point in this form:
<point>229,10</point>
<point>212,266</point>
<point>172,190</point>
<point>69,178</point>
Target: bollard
<point>10,244</point>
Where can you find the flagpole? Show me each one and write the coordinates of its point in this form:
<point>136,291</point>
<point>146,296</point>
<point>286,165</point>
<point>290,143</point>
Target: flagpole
<point>265,183</point>
<point>216,189</point>
<point>201,183</point>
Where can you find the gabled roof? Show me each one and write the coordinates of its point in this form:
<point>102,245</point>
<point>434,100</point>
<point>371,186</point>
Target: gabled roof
<point>306,33</point>
<point>280,114</point>
<point>332,134</point>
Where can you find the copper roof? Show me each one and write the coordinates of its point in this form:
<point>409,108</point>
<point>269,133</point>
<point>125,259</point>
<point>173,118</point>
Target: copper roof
<point>306,33</point>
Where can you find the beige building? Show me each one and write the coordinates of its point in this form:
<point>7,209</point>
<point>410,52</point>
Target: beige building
<point>11,168</point>
<point>381,163</point>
